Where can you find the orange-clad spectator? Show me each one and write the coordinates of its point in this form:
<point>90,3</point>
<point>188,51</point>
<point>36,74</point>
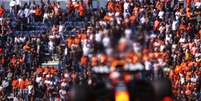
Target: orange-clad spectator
<point>157,54</point>
<point>2,60</point>
<point>118,7</point>
<point>151,55</point>
<point>94,61</point>
<point>103,59</point>
<point>27,83</point>
<point>156,24</point>
<point>189,28</point>
<point>182,27</point>
<point>81,10</point>
<point>84,36</point>
<point>129,57</point>
<point>38,11</point>
<point>130,54</point>
<point>107,18</point>
<point>127,77</point>
<point>183,65</point>
<point>135,59</point>
<point>79,35</point>
<point>39,70</point>
<point>70,41</point>
<point>145,57</point>
<point>165,56</point>
<point>145,51</point>
<point>171,73</point>
<point>116,63</point>
<point>26,47</point>
<point>21,84</point>
<point>77,41</point>
<point>46,70</point>
<point>53,71</point>
<point>188,3</point>
<point>21,60</point>
<point>178,69</point>
<point>190,64</point>
<point>14,84</point>
<point>84,60</point>
<point>113,64</point>
<point>121,62</point>
<point>188,12</point>
<point>110,5</point>
<point>13,61</point>
<point>76,6</point>
<point>74,76</point>
<point>133,18</point>
<point>178,34</point>
<point>2,11</point>
<point>121,46</point>
<point>70,7</point>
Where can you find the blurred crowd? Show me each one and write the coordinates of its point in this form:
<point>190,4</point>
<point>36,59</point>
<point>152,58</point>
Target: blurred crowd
<point>163,36</point>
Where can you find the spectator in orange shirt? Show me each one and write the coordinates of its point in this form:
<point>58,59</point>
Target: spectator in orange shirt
<point>2,11</point>
<point>110,5</point>
<point>27,48</point>
<point>53,70</point>
<point>46,70</point>
<point>27,83</point>
<point>188,12</point>
<point>103,59</point>
<point>39,70</point>
<point>70,41</point>
<point>15,86</point>
<point>81,10</point>
<point>133,18</point>
<point>84,60</point>
<point>156,25</point>
<point>107,18</point>
<point>38,14</point>
<point>84,36</point>
<point>14,61</point>
<point>118,7</point>
<point>21,83</point>
<point>94,61</point>
<point>70,7</point>
<point>77,41</point>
